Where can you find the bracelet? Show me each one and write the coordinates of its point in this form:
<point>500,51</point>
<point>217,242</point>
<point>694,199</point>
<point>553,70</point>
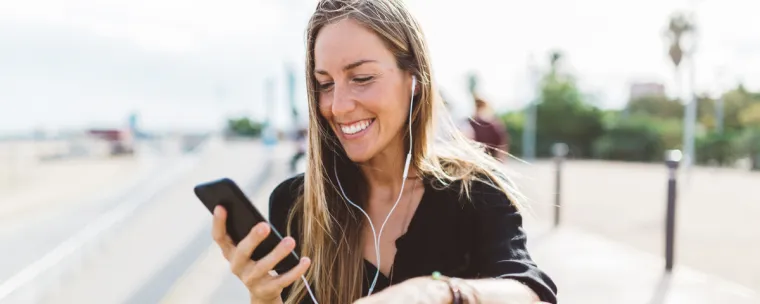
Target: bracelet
<point>456,293</point>
<point>472,297</point>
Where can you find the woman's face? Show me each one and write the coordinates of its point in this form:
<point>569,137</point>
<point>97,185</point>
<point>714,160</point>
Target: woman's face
<point>362,93</point>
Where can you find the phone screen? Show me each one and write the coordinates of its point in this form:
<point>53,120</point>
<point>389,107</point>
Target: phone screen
<point>242,215</point>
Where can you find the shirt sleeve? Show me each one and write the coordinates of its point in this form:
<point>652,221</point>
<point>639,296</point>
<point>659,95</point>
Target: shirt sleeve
<point>500,243</point>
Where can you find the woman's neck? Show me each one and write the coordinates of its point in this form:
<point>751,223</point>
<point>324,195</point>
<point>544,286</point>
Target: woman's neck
<point>384,172</point>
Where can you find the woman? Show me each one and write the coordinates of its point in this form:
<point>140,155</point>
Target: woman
<point>447,225</point>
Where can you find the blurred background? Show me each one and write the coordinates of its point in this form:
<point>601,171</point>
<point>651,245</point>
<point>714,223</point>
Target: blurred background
<point>111,111</point>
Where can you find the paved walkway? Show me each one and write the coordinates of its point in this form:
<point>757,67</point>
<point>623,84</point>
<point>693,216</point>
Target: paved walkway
<point>588,269</point>
<point>717,231</point>
<point>165,254</point>
<point>153,243</point>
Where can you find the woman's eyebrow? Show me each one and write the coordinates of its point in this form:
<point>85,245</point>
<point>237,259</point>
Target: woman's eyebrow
<point>349,66</point>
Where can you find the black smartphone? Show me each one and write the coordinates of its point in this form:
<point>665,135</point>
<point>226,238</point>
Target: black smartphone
<point>242,215</point>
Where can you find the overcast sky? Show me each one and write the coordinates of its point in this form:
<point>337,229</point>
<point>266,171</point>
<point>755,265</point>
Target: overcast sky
<point>191,63</point>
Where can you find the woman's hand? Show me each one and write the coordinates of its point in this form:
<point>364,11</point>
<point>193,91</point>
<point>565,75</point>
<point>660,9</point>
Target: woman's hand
<point>262,286</point>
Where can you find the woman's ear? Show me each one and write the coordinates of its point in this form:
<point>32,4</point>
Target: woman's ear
<point>418,85</point>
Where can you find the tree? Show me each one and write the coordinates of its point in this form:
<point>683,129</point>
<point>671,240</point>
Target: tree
<point>244,127</point>
<point>472,83</point>
<point>562,114</point>
<point>678,26</point>
<point>655,105</point>
<point>735,102</point>
<point>750,116</point>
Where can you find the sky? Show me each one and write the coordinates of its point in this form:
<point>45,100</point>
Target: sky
<point>190,64</point>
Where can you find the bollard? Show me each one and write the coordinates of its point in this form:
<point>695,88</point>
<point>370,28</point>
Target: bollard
<point>672,158</point>
<point>559,150</point>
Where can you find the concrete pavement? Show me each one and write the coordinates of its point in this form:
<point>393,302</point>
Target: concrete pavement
<point>717,231</point>
<point>209,279</point>
<point>118,268</point>
<point>164,252</point>
<point>591,269</point>
<point>588,268</point>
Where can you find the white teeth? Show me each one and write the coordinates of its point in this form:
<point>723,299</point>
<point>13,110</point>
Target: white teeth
<point>356,127</point>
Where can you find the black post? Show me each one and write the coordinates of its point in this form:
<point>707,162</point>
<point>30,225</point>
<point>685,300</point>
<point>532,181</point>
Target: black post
<point>559,150</point>
<point>557,189</point>
<point>672,159</point>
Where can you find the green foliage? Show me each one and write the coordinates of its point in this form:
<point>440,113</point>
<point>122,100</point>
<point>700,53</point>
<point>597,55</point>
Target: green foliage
<point>749,144</point>
<point>750,116</point>
<point>635,138</point>
<point>244,127</point>
<point>656,106</point>
<point>563,115</point>
<point>735,102</point>
<point>642,131</point>
<point>719,148</point>
<point>514,122</point>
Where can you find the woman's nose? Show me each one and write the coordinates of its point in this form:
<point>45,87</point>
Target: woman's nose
<point>343,103</point>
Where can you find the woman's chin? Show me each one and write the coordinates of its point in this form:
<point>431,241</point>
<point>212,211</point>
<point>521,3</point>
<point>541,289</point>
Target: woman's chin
<point>358,154</point>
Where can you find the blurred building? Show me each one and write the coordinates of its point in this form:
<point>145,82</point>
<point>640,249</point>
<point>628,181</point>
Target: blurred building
<point>643,89</point>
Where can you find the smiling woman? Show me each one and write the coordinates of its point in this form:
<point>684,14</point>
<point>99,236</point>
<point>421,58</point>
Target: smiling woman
<point>380,216</point>
<point>360,91</point>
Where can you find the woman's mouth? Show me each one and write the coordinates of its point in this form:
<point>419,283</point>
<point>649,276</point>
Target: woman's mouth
<point>355,129</point>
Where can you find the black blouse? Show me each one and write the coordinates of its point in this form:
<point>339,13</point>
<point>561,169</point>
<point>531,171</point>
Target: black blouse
<point>482,238</point>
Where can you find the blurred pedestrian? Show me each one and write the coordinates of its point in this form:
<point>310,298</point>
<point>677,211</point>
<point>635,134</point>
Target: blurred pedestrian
<point>489,130</point>
<point>301,141</point>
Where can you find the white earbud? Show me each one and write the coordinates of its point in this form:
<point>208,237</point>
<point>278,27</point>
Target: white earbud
<point>408,161</point>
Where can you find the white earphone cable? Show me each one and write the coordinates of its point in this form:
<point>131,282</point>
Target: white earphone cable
<point>376,236</point>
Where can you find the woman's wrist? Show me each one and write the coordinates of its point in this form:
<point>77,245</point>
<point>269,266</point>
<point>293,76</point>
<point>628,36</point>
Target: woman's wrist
<point>454,290</point>
<point>432,291</point>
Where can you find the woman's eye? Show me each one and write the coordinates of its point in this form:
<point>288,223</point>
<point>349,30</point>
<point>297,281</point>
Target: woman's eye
<point>361,80</point>
<point>325,86</point>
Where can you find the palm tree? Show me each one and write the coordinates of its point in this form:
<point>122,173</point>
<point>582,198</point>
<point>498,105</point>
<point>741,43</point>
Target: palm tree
<point>555,59</point>
<point>472,83</point>
<point>678,27</point>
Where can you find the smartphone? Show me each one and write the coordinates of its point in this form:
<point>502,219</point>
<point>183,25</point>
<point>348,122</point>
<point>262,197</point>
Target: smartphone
<point>242,215</point>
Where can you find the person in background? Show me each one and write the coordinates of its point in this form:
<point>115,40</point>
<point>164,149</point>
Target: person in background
<point>301,141</point>
<point>489,130</point>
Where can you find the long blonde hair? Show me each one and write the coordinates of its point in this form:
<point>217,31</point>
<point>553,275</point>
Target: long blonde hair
<point>329,229</point>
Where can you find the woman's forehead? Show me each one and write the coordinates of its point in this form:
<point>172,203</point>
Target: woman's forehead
<point>342,43</point>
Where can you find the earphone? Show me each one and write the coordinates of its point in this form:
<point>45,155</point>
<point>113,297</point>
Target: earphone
<point>375,234</point>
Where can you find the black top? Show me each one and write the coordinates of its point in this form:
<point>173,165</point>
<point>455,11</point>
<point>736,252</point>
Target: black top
<point>477,239</point>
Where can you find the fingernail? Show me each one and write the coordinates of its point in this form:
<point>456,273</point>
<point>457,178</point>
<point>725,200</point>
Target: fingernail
<point>288,241</point>
<point>216,210</point>
<point>305,260</point>
<point>261,229</point>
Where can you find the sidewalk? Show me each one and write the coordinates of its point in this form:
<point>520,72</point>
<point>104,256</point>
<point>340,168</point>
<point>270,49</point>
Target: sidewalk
<point>589,269</point>
<point>32,186</point>
<point>126,258</point>
<point>717,230</point>
<point>209,280</point>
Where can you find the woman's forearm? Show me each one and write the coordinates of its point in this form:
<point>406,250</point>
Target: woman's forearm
<point>487,291</point>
